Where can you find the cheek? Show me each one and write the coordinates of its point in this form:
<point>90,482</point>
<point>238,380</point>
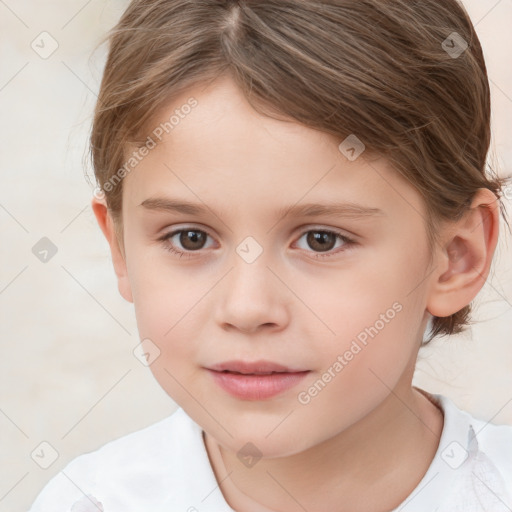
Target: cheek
<point>165,315</point>
<point>164,292</point>
<point>370,321</point>
<point>165,302</point>
<point>168,316</point>
<point>360,366</point>
<point>373,291</point>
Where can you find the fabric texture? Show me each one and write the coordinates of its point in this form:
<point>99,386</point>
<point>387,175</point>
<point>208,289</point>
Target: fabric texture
<point>165,467</point>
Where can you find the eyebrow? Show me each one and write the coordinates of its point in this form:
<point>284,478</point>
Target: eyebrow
<point>347,210</point>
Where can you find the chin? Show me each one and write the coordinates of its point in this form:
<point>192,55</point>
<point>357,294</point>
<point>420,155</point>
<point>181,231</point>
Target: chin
<point>255,438</point>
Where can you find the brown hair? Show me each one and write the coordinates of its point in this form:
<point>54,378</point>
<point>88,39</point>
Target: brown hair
<point>391,72</point>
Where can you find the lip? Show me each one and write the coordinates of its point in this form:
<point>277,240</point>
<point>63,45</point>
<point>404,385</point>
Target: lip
<point>253,367</point>
<point>258,380</point>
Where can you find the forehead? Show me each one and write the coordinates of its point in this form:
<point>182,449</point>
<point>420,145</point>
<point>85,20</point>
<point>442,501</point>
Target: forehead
<point>223,122</point>
<point>222,150</point>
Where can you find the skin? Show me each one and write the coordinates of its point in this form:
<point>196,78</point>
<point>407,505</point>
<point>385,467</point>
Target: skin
<point>368,428</point>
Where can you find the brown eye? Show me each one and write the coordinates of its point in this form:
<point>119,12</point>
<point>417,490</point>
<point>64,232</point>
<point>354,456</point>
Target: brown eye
<point>321,240</point>
<point>192,240</point>
<point>186,241</point>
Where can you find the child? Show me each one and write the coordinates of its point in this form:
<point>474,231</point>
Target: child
<point>326,161</point>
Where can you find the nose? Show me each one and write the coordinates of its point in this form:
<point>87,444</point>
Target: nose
<point>252,298</point>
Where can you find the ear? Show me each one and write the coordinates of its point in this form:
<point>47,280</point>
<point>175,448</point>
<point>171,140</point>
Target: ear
<point>106,224</point>
<point>465,257</point>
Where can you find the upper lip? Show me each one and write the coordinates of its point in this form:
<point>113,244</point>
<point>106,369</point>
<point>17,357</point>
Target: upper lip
<point>253,367</point>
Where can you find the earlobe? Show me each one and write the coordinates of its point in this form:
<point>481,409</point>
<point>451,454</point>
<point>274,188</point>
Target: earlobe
<point>465,258</point>
<point>106,224</point>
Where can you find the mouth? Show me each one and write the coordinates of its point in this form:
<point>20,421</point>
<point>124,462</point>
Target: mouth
<point>257,380</point>
<point>254,368</point>
<point>252,373</point>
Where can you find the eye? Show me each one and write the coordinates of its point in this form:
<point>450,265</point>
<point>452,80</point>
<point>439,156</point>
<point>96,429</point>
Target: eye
<point>193,240</point>
<point>324,240</point>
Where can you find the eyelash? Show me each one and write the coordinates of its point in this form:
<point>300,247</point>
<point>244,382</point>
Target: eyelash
<point>349,242</point>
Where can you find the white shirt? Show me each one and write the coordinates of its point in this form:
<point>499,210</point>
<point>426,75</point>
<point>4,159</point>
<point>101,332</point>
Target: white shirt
<point>165,467</point>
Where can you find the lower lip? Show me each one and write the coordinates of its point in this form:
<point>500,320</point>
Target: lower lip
<point>257,387</point>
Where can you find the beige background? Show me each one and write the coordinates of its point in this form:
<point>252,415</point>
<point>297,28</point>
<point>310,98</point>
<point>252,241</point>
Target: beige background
<point>68,374</point>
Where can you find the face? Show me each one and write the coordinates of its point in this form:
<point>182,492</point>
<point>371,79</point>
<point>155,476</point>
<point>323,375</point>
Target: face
<point>337,298</point>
